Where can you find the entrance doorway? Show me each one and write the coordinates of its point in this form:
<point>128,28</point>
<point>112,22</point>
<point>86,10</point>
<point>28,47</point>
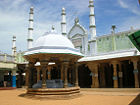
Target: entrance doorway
<point>85,79</point>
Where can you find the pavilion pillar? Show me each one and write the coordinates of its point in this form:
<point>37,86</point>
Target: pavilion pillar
<point>14,78</point>
<point>91,67</point>
<point>76,75</point>
<point>38,73</point>
<point>94,70</point>
<point>27,76</point>
<point>96,76</point>
<point>44,65</point>
<point>135,71</point>
<point>70,75</point>
<point>120,75</point>
<point>102,75</point>
<point>49,72</point>
<point>65,64</point>
<point>62,72</point>
<point>31,65</point>
<point>115,77</point>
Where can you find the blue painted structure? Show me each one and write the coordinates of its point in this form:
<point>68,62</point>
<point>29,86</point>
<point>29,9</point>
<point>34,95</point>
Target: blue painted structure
<point>13,81</point>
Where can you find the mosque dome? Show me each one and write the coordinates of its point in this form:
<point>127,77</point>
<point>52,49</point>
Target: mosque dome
<point>53,43</point>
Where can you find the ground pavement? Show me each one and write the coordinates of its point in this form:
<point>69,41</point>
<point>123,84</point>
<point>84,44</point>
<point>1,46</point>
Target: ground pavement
<point>88,97</point>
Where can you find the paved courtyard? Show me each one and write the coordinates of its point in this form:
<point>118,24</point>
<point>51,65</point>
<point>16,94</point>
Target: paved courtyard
<point>88,97</point>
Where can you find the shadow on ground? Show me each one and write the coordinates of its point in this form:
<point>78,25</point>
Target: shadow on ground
<point>51,97</point>
<point>136,101</point>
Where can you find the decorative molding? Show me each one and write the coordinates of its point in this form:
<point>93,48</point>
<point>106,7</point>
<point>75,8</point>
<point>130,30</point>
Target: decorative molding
<point>63,13</point>
<point>92,26</point>
<point>29,39</point>
<point>31,20</point>
<point>115,78</point>
<point>91,15</point>
<point>91,5</point>
<point>135,71</point>
<point>30,29</point>
<point>63,22</point>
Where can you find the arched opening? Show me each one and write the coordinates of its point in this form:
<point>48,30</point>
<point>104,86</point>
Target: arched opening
<point>54,73</point>
<point>128,75</point>
<point>109,76</point>
<point>85,79</point>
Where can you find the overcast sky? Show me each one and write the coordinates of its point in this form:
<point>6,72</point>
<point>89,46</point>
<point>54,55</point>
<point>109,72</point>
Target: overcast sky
<point>14,17</point>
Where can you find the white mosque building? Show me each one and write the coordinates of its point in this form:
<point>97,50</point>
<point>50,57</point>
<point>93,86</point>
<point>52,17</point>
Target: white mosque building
<point>110,60</point>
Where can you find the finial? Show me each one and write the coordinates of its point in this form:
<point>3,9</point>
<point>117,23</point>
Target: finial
<point>53,30</point>
<point>14,38</point>
<point>76,20</point>
<point>31,10</point>
<point>63,11</point>
<point>90,1</point>
<point>53,27</point>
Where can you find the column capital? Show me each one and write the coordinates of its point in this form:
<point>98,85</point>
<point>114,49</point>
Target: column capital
<point>49,67</point>
<point>92,66</point>
<point>38,68</point>
<point>134,59</point>
<point>43,58</point>
<point>44,62</point>
<point>114,62</point>
<point>65,64</point>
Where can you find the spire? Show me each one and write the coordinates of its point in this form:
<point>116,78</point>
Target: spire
<point>92,20</point>
<point>30,29</point>
<point>53,29</point>
<point>76,20</point>
<point>63,22</point>
<point>92,27</point>
<point>14,46</point>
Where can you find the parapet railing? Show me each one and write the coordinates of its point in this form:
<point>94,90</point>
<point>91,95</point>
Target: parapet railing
<point>6,58</point>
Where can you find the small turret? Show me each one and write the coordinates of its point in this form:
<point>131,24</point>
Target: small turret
<point>30,29</point>
<point>63,22</point>
<point>14,46</point>
<point>92,25</point>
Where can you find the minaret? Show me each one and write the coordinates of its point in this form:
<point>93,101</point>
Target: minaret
<point>92,20</point>
<point>30,29</point>
<point>14,46</point>
<point>92,27</point>
<point>63,22</point>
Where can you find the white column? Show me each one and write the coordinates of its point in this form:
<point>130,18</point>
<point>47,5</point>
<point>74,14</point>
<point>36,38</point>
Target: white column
<point>92,20</point>
<point>86,44</point>
<point>14,48</point>
<point>13,45</point>
<point>63,22</point>
<point>92,42</point>
<point>30,29</point>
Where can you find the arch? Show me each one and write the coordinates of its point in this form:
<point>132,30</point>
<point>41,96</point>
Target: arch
<point>85,79</point>
<point>76,29</point>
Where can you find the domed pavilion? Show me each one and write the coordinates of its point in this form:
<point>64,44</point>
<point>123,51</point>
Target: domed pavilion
<point>53,67</point>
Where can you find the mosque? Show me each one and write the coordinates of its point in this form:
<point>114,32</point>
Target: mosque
<point>109,61</point>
